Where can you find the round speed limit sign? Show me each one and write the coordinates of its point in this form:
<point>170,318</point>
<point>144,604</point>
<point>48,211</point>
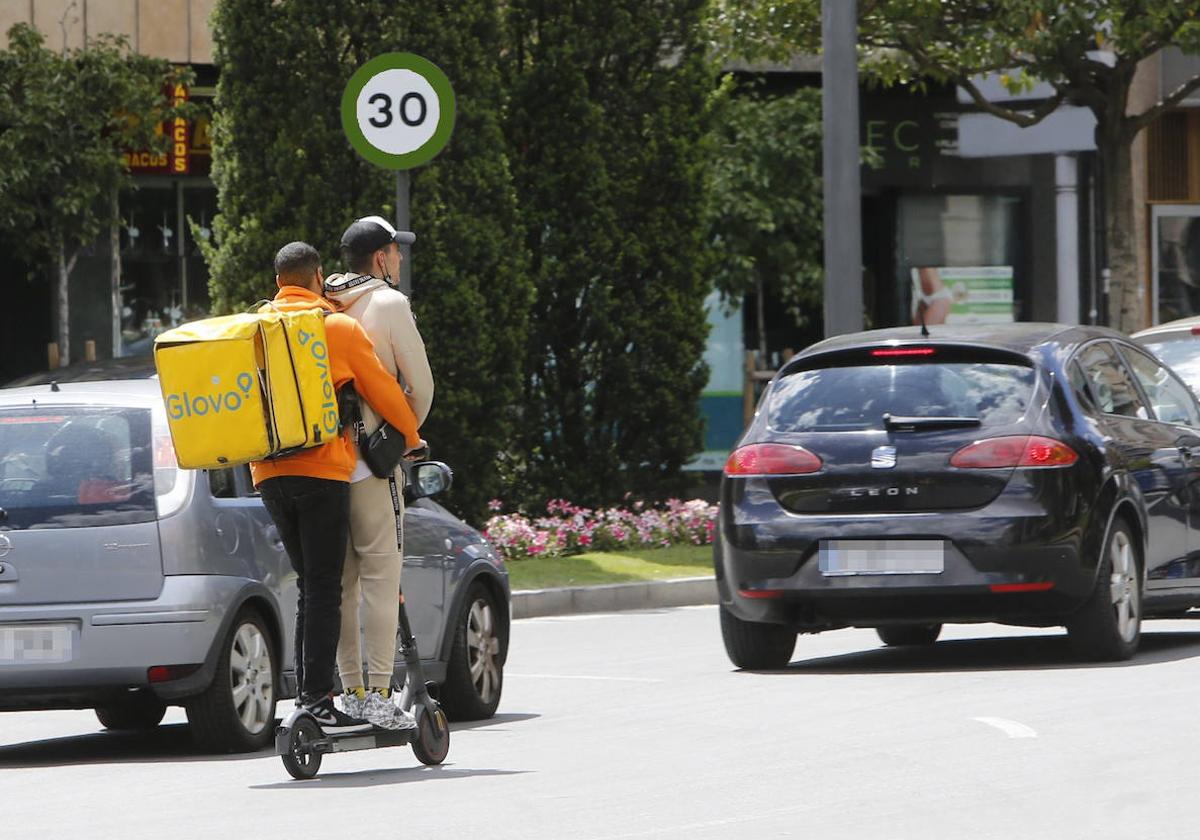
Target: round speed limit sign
<point>398,110</point>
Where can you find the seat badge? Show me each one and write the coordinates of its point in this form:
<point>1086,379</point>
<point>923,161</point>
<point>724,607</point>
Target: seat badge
<point>5,545</point>
<point>883,457</point>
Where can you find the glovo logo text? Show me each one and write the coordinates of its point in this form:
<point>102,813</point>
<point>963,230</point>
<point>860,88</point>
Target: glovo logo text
<point>320,357</point>
<point>215,401</point>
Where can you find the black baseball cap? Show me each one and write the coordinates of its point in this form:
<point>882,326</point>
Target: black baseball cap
<point>370,233</point>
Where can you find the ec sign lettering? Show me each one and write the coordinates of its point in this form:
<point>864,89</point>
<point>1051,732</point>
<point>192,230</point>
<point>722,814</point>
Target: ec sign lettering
<point>886,136</point>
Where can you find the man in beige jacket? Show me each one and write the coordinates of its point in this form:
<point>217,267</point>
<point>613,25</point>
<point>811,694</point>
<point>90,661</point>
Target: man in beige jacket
<point>375,550</point>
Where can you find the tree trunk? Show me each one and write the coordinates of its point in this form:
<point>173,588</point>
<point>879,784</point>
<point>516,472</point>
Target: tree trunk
<point>62,307</point>
<point>114,242</point>
<point>760,314</point>
<point>1126,303</point>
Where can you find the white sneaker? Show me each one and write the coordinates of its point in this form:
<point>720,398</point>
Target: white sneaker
<point>385,714</point>
<point>352,705</point>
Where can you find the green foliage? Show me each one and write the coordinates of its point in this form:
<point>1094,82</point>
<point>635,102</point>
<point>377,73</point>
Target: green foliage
<point>65,119</point>
<point>766,208</point>
<point>284,170</point>
<point>608,117</point>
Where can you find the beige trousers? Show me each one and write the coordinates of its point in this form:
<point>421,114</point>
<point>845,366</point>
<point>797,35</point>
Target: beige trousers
<point>374,556</point>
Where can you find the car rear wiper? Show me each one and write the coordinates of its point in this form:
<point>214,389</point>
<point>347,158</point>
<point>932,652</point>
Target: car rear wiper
<point>894,422</point>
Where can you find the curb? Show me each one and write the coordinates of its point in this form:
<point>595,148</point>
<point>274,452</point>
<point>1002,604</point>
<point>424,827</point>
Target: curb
<point>611,597</point>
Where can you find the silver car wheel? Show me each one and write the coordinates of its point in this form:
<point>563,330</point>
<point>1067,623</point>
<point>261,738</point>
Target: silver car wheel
<point>251,678</point>
<point>483,648</point>
<point>1124,587</point>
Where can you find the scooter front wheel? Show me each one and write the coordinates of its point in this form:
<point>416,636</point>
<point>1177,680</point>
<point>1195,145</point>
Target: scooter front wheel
<point>302,761</point>
<point>432,741</point>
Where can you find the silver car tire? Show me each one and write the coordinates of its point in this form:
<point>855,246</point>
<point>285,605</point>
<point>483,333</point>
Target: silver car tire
<point>236,713</point>
<point>475,672</point>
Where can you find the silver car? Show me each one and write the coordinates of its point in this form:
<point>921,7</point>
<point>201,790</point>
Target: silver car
<point>128,585</point>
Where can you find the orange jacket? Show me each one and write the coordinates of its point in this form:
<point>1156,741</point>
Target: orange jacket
<point>353,359</point>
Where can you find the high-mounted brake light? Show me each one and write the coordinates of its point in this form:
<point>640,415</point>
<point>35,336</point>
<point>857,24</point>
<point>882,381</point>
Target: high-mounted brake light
<point>771,459</point>
<point>903,351</point>
<point>1014,451</point>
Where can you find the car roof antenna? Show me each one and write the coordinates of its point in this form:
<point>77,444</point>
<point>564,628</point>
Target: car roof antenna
<point>924,329</point>
<point>54,386</point>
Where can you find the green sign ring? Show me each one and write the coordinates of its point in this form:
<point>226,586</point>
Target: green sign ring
<point>432,75</point>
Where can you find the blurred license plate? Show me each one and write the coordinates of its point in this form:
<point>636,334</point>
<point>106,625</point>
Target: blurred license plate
<point>882,557</point>
<point>34,643</point>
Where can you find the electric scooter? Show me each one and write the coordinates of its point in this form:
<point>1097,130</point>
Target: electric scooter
<point>301,744</point>
<point>299,740</point>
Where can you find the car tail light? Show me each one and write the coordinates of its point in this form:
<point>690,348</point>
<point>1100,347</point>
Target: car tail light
<point>893,352</point>
<point>1014,451</point>
<point>170,483</point>
<point>771,459</point>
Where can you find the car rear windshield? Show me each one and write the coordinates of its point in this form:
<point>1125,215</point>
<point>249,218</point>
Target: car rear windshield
<point>857,397</point>
<point>1182,354</point>
<point>75,467</point>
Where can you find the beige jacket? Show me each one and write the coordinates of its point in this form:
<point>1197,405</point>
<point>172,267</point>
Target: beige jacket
<point>387,317</point>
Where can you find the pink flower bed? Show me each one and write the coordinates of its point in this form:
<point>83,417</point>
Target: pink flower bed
<point>568,529</point>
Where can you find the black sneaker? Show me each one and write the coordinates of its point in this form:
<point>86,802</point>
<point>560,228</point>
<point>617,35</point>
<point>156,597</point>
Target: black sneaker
<point>334,721</point>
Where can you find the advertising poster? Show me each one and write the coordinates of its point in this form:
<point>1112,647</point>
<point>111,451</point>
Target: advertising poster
<point>962,295</point>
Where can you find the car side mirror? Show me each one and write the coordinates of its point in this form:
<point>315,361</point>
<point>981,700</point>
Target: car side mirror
<point>428,478</point>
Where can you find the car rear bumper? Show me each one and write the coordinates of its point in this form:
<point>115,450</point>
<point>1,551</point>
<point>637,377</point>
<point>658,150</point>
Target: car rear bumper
<point>114,644</point>
<point>1024,569</point>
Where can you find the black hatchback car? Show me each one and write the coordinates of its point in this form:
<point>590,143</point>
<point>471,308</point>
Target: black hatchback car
<point>1029,474</point>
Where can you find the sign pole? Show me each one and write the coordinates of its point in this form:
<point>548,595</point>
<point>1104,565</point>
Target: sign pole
<point>402,223</point>
<point>843,190</point>
<point>398,113</point>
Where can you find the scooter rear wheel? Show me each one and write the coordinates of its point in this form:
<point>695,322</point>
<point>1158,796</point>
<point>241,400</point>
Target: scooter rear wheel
<point>432,741</point>
<point>302,761</point>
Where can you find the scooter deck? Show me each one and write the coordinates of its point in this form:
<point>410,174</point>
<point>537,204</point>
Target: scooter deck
<point>351,741</point>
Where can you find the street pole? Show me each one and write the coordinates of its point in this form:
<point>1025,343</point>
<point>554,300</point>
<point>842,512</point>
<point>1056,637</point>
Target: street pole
<point>1066,225</point>
<point>402,222</point>
<point>842,187</point>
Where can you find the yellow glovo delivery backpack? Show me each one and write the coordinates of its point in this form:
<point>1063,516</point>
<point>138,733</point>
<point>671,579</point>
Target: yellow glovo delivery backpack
<point>247,387</point>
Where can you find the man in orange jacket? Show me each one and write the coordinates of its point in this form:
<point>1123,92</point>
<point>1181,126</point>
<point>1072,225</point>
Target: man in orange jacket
<point>308,493</point>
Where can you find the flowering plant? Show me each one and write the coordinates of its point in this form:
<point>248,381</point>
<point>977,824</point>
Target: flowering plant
<point>569,529</point>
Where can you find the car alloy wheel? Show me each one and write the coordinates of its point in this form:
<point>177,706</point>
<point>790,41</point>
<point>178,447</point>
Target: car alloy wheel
<point>483,650</point>
<point>1124,586</point>
<point>475,671</point>
<point>251,678</point>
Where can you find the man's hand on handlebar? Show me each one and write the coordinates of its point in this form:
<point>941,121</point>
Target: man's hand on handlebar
<point>418,453</point>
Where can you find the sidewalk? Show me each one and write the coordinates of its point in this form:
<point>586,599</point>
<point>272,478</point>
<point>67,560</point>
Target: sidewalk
<point>680,592</point>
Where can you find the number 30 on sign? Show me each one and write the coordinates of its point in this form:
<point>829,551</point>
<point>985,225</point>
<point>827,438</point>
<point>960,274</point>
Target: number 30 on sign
<point>398,110</point>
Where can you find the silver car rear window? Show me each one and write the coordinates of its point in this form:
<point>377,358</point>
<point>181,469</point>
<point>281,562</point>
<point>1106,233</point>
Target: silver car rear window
<point>75,467</point>
<point>857,397</point>
<point>1181,353</point>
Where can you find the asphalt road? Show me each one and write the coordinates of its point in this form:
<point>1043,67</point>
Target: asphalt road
<point>635,726</point>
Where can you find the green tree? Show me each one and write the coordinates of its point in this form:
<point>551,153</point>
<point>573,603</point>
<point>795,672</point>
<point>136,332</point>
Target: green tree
<point>65,120</point>
<point>284,170</point>
<point>765,216</point>
<point>1087,51</point>
<point>608,120</point>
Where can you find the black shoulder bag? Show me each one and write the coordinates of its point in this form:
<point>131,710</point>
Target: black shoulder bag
<point>382,449</point>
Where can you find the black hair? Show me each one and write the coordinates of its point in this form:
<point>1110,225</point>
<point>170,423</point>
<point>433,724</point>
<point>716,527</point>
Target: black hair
<point>358,263</point>
<point>297,259</point>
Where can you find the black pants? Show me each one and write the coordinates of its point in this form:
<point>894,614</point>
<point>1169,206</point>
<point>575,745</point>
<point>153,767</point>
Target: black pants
<point>313,518</point>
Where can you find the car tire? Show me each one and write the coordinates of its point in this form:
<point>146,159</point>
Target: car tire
<point>1108,626</point>
<point>236,713</point>
<point>906,635</point>
<point>139,710</point>
<point>755,646</point>
<point>475,672</point>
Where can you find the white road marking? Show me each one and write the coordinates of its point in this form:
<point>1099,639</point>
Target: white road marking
<point>581,677</point>
<point>1009,727</point>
